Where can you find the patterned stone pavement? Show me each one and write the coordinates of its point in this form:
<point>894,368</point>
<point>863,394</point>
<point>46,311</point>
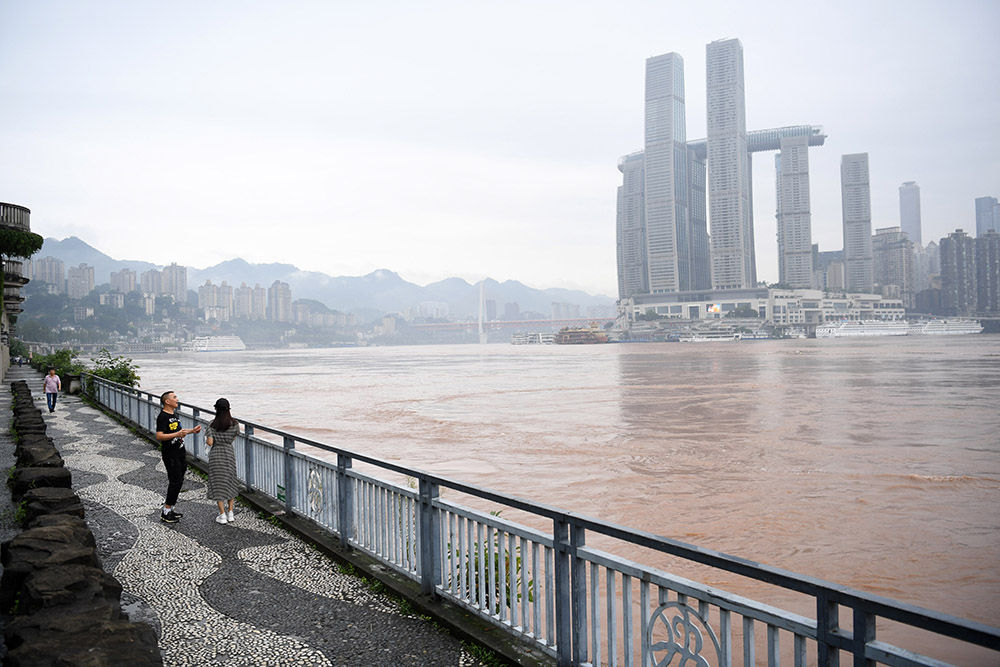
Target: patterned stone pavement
<point>245,593</point>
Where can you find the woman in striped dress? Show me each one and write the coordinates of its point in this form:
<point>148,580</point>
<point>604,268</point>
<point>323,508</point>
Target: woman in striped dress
<point>223,486</point>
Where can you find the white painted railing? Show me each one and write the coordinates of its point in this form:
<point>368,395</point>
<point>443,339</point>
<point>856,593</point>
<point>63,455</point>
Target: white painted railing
<point>580,605</point>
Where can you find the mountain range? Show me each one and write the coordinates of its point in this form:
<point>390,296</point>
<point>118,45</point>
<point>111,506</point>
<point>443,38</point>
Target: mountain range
<point>381,291</point>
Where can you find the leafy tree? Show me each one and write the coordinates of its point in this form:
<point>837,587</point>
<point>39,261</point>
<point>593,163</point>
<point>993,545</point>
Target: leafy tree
<point>117,369</point>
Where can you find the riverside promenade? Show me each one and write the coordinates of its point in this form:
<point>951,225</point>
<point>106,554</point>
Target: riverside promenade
<point>246,593</point>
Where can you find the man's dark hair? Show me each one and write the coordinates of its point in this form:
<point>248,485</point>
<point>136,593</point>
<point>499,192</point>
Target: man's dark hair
<point>163,397</point>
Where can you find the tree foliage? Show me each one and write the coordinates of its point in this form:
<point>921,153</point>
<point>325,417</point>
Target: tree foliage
<point>19,243</point>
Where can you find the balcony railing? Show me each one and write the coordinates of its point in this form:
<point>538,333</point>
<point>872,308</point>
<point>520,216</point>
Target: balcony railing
<point>12,215</point>
<point>575,603</point>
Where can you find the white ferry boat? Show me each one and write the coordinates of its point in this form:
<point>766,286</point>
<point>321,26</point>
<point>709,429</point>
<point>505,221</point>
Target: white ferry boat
<point>214,344</point>
<point>945,327</point>
<point>710,337</point>
<point>850,328</point>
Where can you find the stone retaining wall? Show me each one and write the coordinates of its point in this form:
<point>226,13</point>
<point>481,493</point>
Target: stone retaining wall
<point>59,606</point>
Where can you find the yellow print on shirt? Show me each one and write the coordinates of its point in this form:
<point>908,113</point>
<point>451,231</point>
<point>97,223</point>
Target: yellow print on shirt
<point>173,426</point>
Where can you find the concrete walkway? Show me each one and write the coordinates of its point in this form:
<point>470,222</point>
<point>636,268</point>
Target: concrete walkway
<point>247,593</point>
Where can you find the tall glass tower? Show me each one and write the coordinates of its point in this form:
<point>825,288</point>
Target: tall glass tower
<point>909,211</point>
<point>730,221</point>
<point>855,196</point>
<point>668,228</point>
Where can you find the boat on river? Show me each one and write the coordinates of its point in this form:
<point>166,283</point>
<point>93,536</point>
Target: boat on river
<point>945,327</point>
<point>857,328</point>
<point>214,344</point>
<point>580,336</point>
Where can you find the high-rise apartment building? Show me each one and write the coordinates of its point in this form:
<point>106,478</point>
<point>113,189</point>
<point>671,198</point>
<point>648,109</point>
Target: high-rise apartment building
<point>151,283</point>
<point>633,277</point>
<point>79,281</point>
<point>242,302</point>
<point>892,260</point>
<point>795,251</point>
<point>855,196</point>
<point>987,215</point>
<point>926,266</point>
<point>51,271</point>
<point>909,211</point>
<point>733,260</point>
<point>258,303</point>
<point>123,281</point>
<point>279,302</point>
<point>958,274</point>
<point>175,282</point>
<point>988,272</point>
<point>668,227</point>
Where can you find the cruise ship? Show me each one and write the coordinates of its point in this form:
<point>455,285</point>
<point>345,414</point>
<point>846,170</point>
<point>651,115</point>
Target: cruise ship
<point>945,327</point>
<point>214,344</point>
<point>850,328</point>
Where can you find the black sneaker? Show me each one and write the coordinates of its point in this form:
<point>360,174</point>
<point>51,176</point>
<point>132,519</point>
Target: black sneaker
<point>169,517</point>
<point>177,514</point>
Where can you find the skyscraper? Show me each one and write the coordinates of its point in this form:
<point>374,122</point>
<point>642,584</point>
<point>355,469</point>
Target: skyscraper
<point>855,195</point>
<point>79,281</point>
<point>958,274</point>
<point>988,272</point>
<point>668,228</point>
<point>795,253</point>
<point>909,211</point>
<point>175,282</point>
<point>987,215</point>
<point>733,261</point>
<point>279,302</point>
<point>892,259</point>
<point>633,276</point>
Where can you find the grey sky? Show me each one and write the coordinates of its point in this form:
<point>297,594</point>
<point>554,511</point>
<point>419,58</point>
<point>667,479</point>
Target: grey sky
<point>460,138</point>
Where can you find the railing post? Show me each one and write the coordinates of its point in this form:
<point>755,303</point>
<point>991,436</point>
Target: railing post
<point>578,571</point>
<point>289,443</point>
<point>345,500</point>
<point>248,454</point>
<point>827,623</point>
<point>428,537</point>
<point>195,413</point>
<point>563,593</point>
<point>864,632</point>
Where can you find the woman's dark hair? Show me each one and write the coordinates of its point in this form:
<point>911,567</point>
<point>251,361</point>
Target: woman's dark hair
<point>223,418</point>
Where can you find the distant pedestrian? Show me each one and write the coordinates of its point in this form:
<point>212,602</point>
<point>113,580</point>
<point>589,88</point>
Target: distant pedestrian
<point>223,486</point>
<point>171,437</point>
<point>52,386</point>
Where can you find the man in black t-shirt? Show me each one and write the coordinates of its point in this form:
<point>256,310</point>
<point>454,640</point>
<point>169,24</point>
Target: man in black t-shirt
<point>171,437</point>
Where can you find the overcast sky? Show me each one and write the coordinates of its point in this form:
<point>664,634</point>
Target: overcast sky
<point>460,138</point>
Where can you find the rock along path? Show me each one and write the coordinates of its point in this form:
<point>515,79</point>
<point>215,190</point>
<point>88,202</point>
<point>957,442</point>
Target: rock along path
<point>245,593</point>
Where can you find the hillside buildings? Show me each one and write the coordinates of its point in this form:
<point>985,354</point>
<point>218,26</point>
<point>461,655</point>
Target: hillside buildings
<point>79,281</point>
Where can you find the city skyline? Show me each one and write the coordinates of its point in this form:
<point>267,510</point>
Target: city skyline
<point>405,138</point>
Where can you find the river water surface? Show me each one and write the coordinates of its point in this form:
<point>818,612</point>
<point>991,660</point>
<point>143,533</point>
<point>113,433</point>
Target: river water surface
<point>873,463</point>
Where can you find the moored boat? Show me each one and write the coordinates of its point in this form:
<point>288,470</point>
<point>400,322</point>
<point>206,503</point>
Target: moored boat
<point>214,344</point>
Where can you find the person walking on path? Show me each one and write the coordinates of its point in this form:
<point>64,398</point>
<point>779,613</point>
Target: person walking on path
<point>52,386</point>
<point>223,485</point>
<point>171,436</point>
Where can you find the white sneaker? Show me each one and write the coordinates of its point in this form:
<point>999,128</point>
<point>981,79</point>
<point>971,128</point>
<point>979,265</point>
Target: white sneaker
<point>230,516</point>
<point>221,519</point>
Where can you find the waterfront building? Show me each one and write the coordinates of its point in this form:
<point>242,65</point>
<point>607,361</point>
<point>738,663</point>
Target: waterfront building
<point>258,303</point>
<point>633,276</point>
<point>51,271</point>
<point>123,281</point>
<point>175,282</point>
<point>215,301</point>
<point>926,265</point>
<point>795,249</point>
<point>909,211</point>
<point>958,274</point>
<point>987,215</point>
<point>729,205</point>
<point>778,307</point>
<point>988,273</point>
<point>892,261</point>
<point>856,206</point>
<point>79,281</point>
<point>279,302</point>
<point>668,230</point>
<point>242,302</point>
<point>151,283</point>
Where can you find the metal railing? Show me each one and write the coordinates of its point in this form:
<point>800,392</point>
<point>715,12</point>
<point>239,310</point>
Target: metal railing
<point>573,602</point>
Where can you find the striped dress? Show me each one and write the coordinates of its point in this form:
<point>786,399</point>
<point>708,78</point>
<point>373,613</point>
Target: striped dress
<point>222,481</point>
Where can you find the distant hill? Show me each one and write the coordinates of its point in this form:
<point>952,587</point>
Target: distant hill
<point>379,291</point>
